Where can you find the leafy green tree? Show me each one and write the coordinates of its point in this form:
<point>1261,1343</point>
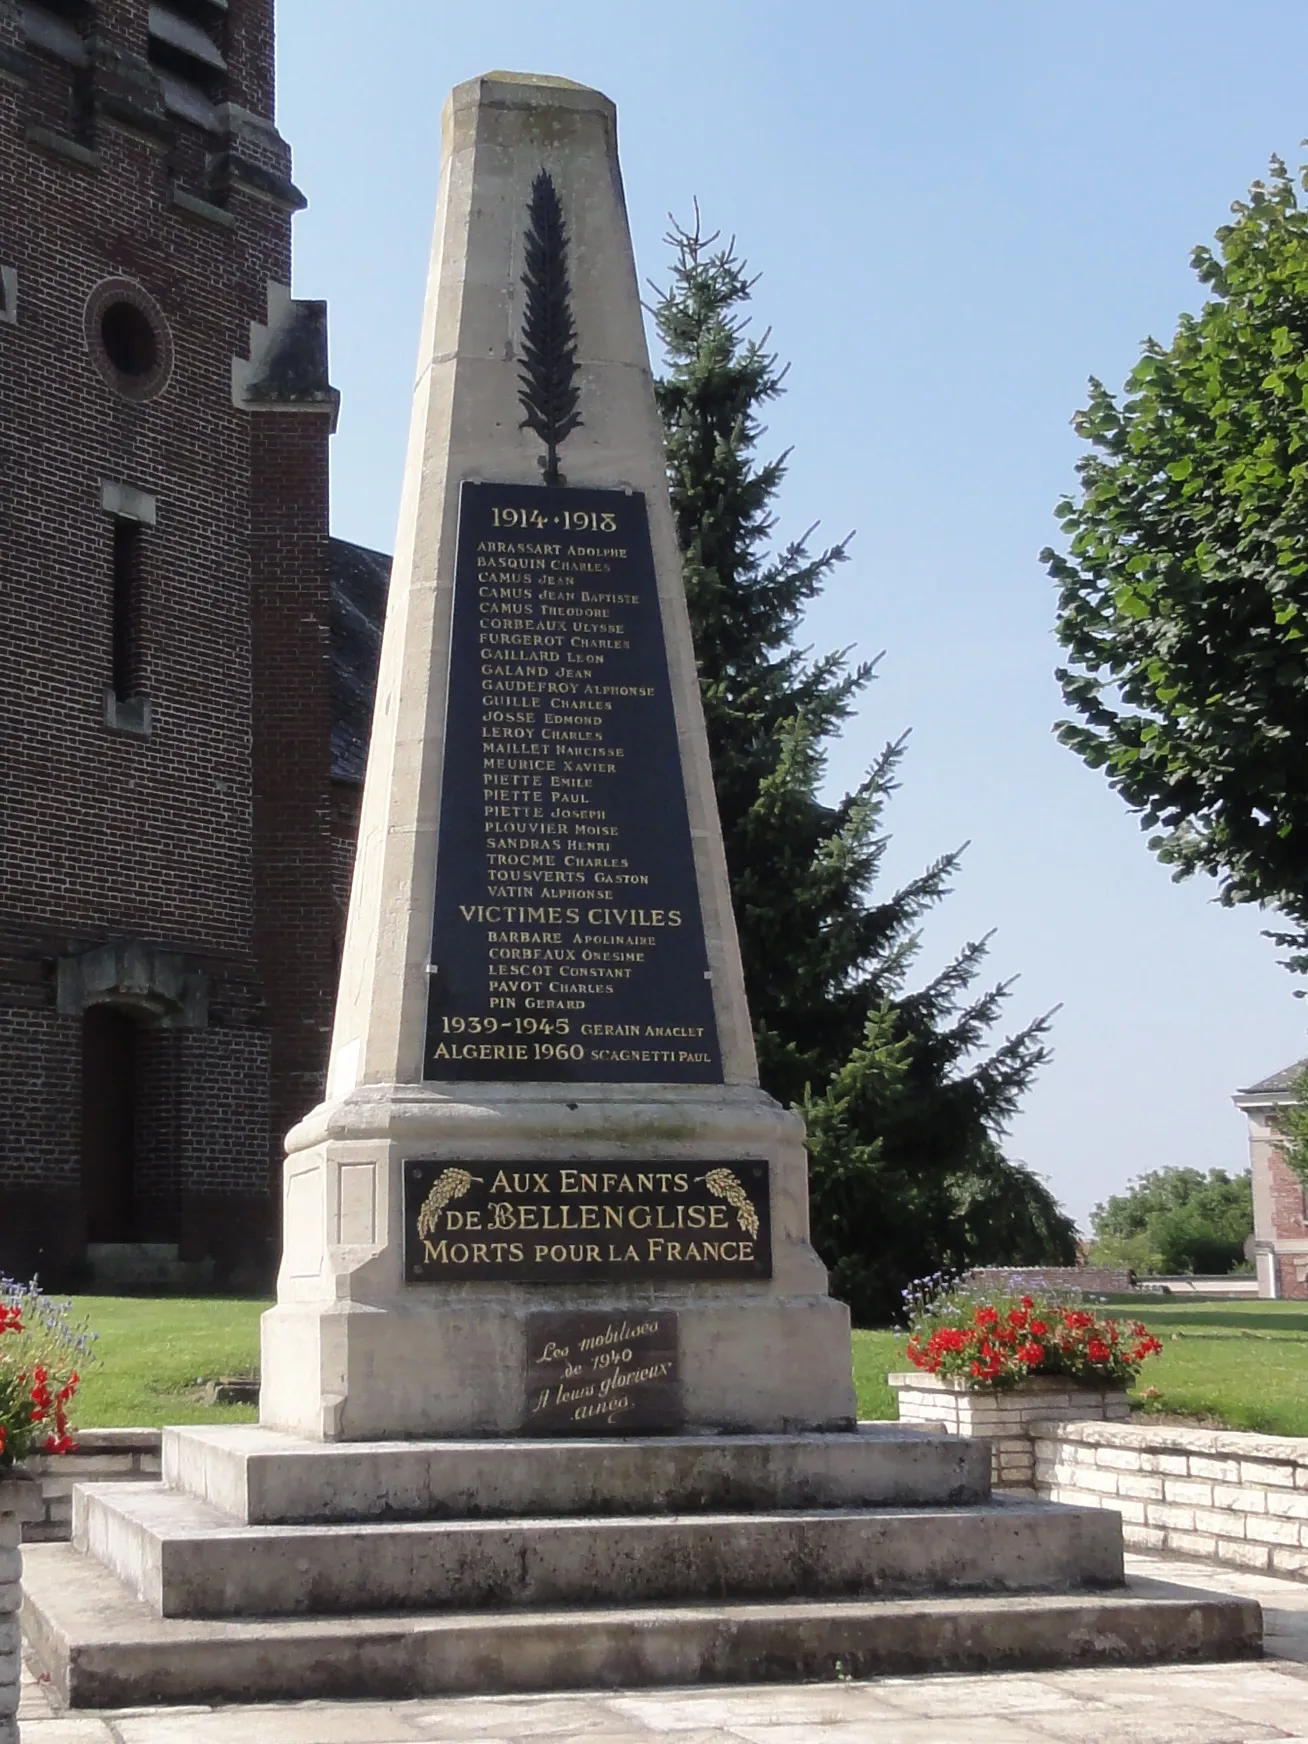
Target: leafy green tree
<point>904,1091</point>
<point>1183,600</point>
<point>1176,1220</point>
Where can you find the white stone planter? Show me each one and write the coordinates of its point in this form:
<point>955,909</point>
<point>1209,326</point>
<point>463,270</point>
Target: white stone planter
<point>1005,1417</point>
<point>20,1500</point>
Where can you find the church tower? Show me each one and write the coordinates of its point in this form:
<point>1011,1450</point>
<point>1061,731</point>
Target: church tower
<point>166,912</point>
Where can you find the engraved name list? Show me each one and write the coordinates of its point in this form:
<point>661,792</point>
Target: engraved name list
<point>567,941</point>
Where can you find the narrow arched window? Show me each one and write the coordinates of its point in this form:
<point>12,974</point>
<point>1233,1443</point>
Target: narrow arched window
<point>110,1097</point>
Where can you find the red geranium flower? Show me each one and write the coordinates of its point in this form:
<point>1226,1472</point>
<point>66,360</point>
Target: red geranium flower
<point>993,1343</point>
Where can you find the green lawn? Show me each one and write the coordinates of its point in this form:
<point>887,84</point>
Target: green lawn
<point>877,1354</point>
<point>154,1354</point>
<point>1241,1364</point>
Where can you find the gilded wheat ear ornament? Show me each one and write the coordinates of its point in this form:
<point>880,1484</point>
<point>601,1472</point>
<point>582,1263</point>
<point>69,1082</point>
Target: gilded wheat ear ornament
<point>449,1184</point>
<point>547,380</point>
<point>723,1184</point>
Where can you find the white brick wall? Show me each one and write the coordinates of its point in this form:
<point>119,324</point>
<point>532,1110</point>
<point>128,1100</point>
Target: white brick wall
<point>1006,1417</point>
<point>101,1456</point>
<point>19,1501</point>
<point>1230,1497</point>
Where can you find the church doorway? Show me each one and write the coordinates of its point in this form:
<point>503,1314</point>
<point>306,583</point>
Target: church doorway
<point>111,1052</point>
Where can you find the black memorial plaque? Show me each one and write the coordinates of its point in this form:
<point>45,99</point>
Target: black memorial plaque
<point>602,1374</point>
<point>567,1223</point>
<point>567,942</point>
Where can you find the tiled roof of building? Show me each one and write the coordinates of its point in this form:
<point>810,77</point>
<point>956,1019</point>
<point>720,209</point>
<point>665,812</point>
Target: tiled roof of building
<point>1284,1080</point>
<point>360,579</point>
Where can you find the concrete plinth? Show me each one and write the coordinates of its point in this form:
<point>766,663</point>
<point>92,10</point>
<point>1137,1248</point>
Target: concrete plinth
<point>260,1478</point>
<point>103,1648</point>
<point>186,1559</point>
<point>467,1525</point>
<point>268,1566</point>
<point>351,1352</point>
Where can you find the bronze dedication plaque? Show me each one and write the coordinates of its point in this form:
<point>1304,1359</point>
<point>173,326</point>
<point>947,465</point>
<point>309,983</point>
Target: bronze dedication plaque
<point>602,1374</point>
<point>564,1223</point>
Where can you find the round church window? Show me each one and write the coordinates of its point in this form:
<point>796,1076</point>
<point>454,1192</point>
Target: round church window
<point>128,339</point>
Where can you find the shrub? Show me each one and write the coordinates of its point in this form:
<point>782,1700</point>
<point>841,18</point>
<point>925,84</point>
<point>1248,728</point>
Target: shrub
<point>42,1355</point>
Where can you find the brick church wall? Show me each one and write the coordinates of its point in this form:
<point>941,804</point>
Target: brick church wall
<point>41,1229</point>
<point>40,1050</point>
<point>347,798</point>
<point>292,761</point>
<point>207,838</point>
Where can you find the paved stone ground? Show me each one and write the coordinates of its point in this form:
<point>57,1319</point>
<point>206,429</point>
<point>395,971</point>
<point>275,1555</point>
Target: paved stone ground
<point>1217,1704</point>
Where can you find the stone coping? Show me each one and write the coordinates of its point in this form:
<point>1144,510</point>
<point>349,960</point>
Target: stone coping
<point>1032,1384</point>
<point>1172,1437</point>
<point>117,1441</point>
<point>1178,1438</point>
<point>98,1444</point>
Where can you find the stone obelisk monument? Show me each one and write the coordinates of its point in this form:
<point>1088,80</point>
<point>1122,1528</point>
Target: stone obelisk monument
<point>545,1197</point>
<point>544,1193</point>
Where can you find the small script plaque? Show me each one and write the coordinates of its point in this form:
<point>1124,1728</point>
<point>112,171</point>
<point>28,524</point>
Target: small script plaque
<point>602,1374</point>
<point>562,1223</point>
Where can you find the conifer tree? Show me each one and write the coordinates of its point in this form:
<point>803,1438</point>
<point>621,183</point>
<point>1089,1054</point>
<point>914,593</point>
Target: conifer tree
<point>904,1093</point>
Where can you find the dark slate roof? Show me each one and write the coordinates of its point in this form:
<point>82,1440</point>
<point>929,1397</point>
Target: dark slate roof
<point>1285,1079</point>
<point>360,579</point>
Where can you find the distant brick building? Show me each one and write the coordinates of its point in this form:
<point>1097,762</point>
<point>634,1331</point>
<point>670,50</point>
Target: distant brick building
<point>1280,1210</point>
<point>171,896</point>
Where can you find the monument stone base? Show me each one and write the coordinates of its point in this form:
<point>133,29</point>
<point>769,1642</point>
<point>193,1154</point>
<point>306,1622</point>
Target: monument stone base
<point>268,1567</point>
<point>440,1369</point>
<point>353,1351</point>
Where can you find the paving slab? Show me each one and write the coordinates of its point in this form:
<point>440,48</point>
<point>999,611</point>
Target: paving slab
<point>66,1729</point>
<point>838,1704</point>
<point>1243,1692</point>
<point>310,1723</point>
<point>1175,1724</point>
<point>514,1717</point>
<point>1166,1705</point>
<point>895,1732</point>
<point>958,1697</point>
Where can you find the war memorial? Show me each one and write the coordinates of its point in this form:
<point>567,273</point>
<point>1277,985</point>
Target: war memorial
<point>554,1394</point>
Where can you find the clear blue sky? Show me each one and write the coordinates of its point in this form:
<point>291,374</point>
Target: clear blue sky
<point>959,212</point>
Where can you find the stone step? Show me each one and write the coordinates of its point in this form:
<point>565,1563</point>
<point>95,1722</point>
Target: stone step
<point>263,1478</point>
<point>186,1559</point>
<point>139,1265</point>
<point>102,1648</point>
